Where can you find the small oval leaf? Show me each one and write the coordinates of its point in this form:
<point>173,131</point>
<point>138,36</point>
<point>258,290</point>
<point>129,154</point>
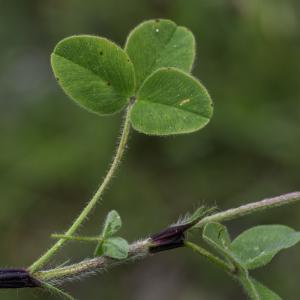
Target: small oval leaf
<point>160,43</point>
<point>257,246</point>
<point>217,235</point>
<point>94,72</point>
<point>171,102</point>
<point>112,224</point>
<point>115,247</point>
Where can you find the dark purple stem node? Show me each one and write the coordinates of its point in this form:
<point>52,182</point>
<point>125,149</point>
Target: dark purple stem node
<point>16,279</point>
<point>170,238</point>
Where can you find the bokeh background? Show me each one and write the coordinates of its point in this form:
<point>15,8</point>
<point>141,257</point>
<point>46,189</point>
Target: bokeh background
<point>53,154</point>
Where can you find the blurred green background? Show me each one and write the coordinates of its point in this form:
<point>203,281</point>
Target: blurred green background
<point>53,154</point>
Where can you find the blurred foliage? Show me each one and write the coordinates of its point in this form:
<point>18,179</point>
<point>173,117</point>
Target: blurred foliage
<point>53,154</point>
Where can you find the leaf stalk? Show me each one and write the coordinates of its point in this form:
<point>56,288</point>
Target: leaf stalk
<point>38,264</point>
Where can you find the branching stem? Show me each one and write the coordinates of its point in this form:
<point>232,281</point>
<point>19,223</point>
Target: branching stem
<point>141,249</point>
<point>92,203</point>
<point>77,238</point>
<point>250,208</point>
<point>137,250</point>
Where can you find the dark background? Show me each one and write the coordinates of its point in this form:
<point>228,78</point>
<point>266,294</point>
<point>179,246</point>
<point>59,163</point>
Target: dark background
<point>53,154</point>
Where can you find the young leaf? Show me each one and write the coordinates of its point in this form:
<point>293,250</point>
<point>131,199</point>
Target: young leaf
<point>171,102</point>
<point>160,43</point>
<point>263,292</point>
<point>112,224</point>
<point>257,246</point>
<point>217,235</point>
<point>115,247</point>
<point>94,72</point>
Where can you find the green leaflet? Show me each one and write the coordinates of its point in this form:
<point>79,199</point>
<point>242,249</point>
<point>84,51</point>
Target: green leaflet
<point>257,246</point>
<point>171,102</point>
<point>159,43</point>
<point>218,237</point>
<point>112,225</point>
<point>254,247</point>
<point>94,72</point>
<point>115,247</point>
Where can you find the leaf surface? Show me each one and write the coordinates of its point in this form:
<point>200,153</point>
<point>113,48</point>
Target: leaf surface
<point>160,43</point>
<point>94,72</point>
<point>112,225</point>
<point>115,247</point>
<point>257,246</point>
<point>171,102</point>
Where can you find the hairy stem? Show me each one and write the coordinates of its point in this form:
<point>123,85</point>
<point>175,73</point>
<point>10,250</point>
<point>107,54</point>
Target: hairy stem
<point>77,238</point>
<point>141,249</point>
<point>250,208</point>
<point>137,250</point>
<point>92,203</point>
<point>241,275</point>
<point>55,291</point>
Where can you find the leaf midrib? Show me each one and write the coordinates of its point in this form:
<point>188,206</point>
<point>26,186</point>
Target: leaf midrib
<point>174,107</point>
<point>164,47</point>
<point>152,67</point>
<point>88,70</point>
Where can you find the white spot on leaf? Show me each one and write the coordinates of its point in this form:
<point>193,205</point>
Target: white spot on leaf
<point>185,101</point>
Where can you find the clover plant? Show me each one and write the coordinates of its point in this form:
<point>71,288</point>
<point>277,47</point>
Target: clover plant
<point>150,79</point>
